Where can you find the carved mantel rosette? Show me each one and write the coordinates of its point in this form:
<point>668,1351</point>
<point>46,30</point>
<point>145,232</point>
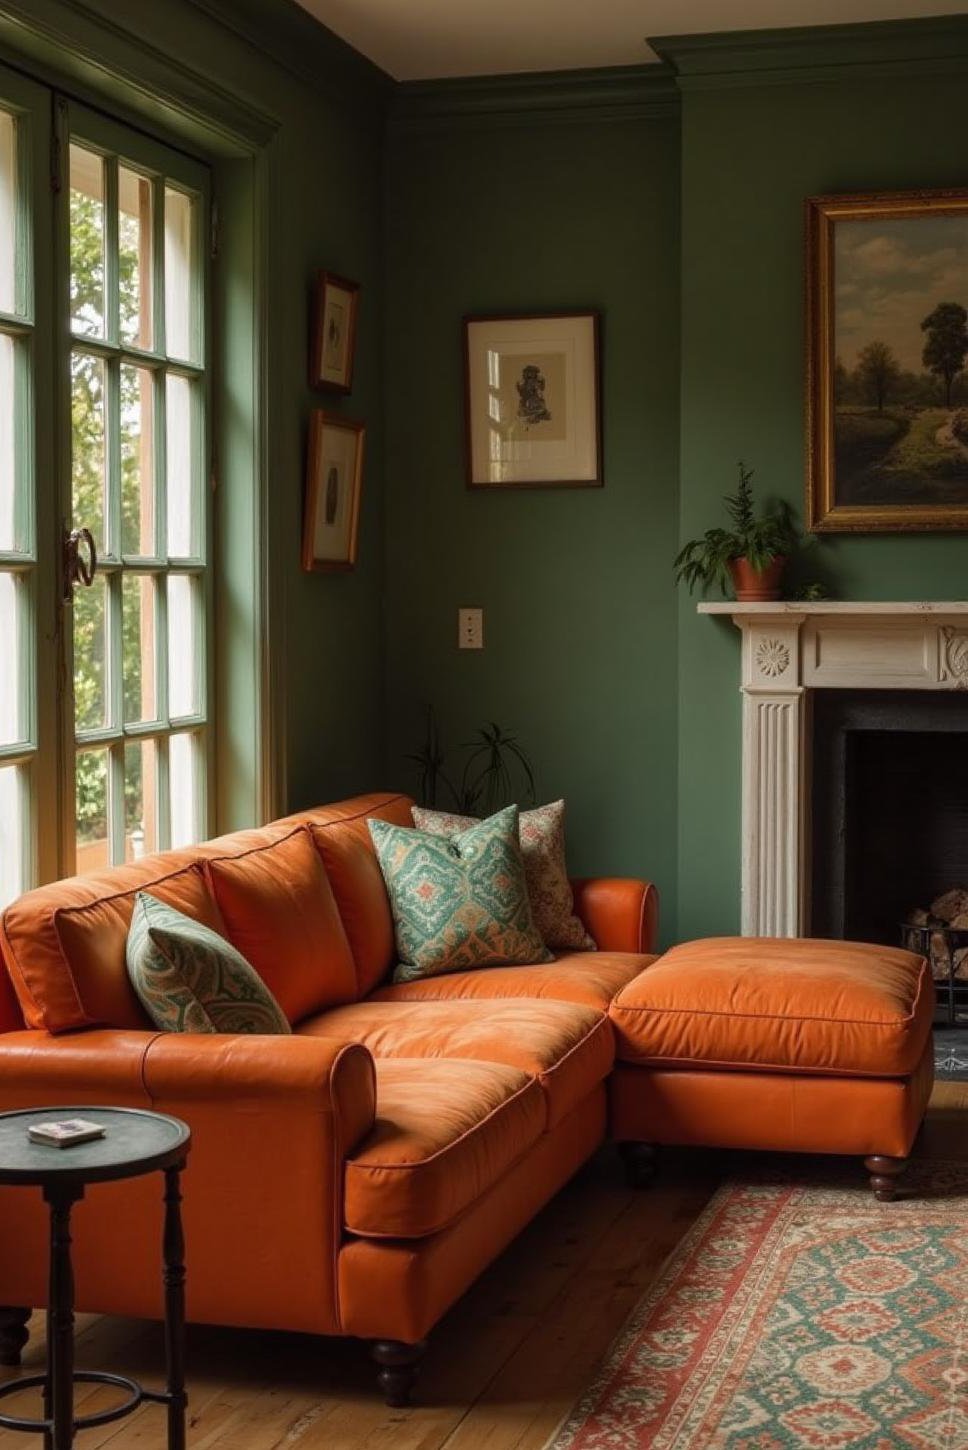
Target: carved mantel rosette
<point>771,653</point>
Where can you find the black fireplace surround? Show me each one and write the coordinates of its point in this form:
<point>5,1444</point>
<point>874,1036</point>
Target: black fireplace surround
<point>889,807</point>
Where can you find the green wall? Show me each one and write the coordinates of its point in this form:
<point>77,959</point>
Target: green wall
<point>522,211</point>
<point>627,700</point>
<point>750,154</point>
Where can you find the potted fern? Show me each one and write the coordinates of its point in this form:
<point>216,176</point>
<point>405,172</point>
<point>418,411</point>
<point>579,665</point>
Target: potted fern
<point>751,555</point>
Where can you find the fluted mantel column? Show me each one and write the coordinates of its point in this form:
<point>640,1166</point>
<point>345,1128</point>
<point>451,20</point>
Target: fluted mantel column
<point>773,754</point>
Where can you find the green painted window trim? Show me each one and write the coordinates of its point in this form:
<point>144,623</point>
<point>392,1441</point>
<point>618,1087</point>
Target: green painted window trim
<point>32,560</point>
<point>96,61</point>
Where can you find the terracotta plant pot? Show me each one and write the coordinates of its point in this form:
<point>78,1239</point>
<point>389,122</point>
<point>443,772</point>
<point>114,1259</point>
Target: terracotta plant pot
<point>756,585</point>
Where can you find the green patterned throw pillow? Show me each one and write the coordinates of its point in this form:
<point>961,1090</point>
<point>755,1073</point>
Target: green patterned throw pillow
<point>459,902</point>
<point>190,979</point>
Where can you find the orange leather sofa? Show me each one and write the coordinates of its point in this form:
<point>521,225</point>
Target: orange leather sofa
<point>352,1179</point>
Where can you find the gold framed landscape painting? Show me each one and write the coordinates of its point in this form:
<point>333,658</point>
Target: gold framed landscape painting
<point>533,412</point>
<point>887,345</point>
<point>334,478</point>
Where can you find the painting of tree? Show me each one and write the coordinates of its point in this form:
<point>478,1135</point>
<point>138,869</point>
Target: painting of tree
<point>947,344</point>
<point>890,348</point>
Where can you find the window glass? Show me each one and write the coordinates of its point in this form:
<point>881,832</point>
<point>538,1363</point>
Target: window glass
<point>134,258</point>
<point>87,242</point>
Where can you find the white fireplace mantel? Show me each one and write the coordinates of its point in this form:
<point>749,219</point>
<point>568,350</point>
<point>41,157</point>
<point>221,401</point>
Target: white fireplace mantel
<point>789,649</point>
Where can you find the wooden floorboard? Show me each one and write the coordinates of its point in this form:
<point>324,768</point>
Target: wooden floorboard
<point>503,1368</point>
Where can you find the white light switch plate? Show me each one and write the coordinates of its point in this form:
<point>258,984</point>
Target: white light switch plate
<point>470,629</point>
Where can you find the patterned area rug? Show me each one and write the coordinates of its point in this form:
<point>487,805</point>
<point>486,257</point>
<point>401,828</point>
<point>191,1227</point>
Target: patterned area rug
<point>813,1318</point>
<point>951,1053</point>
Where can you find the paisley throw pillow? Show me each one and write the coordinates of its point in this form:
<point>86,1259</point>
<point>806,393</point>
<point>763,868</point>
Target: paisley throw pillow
<point>190,979</point>
<point>459,901</point>
<point>542,833</point>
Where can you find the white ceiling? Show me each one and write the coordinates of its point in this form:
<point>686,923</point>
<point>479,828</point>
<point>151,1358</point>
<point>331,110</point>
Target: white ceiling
<point>421,39</point>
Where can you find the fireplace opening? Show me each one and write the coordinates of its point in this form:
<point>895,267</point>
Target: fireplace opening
<point>889,808</point>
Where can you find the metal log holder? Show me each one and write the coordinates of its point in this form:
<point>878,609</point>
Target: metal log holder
<point>952,990</point>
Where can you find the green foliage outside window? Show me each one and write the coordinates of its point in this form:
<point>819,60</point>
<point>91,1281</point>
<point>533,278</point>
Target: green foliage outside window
<point>88,472</point>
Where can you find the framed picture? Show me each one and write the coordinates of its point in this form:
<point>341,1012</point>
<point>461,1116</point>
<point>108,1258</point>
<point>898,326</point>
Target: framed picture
<point>532,398</point>
<point>887,343</point>
<point>334,333</point>
<point>334,477</point>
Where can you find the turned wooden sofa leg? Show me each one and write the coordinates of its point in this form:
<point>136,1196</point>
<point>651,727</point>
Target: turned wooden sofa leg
<point>884,1174</point>
<point>399,1365</point>
<point>13,1334</point>
<point>640,1163</point>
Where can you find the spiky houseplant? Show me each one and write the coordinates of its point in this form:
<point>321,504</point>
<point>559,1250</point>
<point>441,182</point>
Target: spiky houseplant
<point>751,554</point>
<point>495,771</point>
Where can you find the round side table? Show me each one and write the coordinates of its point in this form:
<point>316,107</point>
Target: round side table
<point>135,1142</point>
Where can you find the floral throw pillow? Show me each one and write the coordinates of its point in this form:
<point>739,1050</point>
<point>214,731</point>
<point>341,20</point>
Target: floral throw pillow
<point>190,979</point>
<point>458,901</point>
<point>542,834</point>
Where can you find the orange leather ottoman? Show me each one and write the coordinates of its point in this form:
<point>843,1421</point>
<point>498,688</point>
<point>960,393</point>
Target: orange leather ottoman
<point>773,1043</point>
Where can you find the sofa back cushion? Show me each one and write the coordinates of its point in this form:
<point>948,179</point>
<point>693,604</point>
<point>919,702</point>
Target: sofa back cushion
<point>280,913</point>
<point>346,847</point>
<point>64,944</point>
<point>189,978</point>
<point>343,841</point>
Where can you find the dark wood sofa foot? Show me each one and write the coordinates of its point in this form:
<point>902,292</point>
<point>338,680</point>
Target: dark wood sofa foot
<point>399,1364</point>
<point>13,1334</point>
<point>884,1174</point>
<point>640,1163</point>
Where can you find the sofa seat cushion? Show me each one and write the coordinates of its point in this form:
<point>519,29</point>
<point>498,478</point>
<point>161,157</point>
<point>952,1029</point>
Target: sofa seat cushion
<point>446,1131</point>
<point>789,1004</point>
<point>568,1048</point>
<point>591,979</point>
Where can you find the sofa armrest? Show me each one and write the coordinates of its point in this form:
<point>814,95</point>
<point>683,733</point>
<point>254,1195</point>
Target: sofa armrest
<point>273,1120</point>
<point>139,1069</point>
<point>38,1070</point>
<point>321,1076</point>
<point>619,912</point>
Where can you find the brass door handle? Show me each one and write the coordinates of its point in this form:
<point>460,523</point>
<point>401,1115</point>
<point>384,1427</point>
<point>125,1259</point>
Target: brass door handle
<point>77,568</point>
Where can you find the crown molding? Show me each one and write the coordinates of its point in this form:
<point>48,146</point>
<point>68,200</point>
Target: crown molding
<point>79,45</point>
<point>297,41</point>
<point>618,93</point>
<point>932,46</point>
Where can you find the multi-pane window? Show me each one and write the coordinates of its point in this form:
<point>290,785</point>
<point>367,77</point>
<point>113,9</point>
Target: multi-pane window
<point>104,686</point>
<point>137,406</point>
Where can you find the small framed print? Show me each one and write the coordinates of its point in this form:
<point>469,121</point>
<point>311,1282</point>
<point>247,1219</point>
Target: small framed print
<point>533,401</point>
<point>334,478</point>
<point>334,333</point>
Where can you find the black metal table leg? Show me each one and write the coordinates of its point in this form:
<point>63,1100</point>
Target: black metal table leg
<point>59,1387</point>
<point>174,1277</point>
<point>133,1142</point>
